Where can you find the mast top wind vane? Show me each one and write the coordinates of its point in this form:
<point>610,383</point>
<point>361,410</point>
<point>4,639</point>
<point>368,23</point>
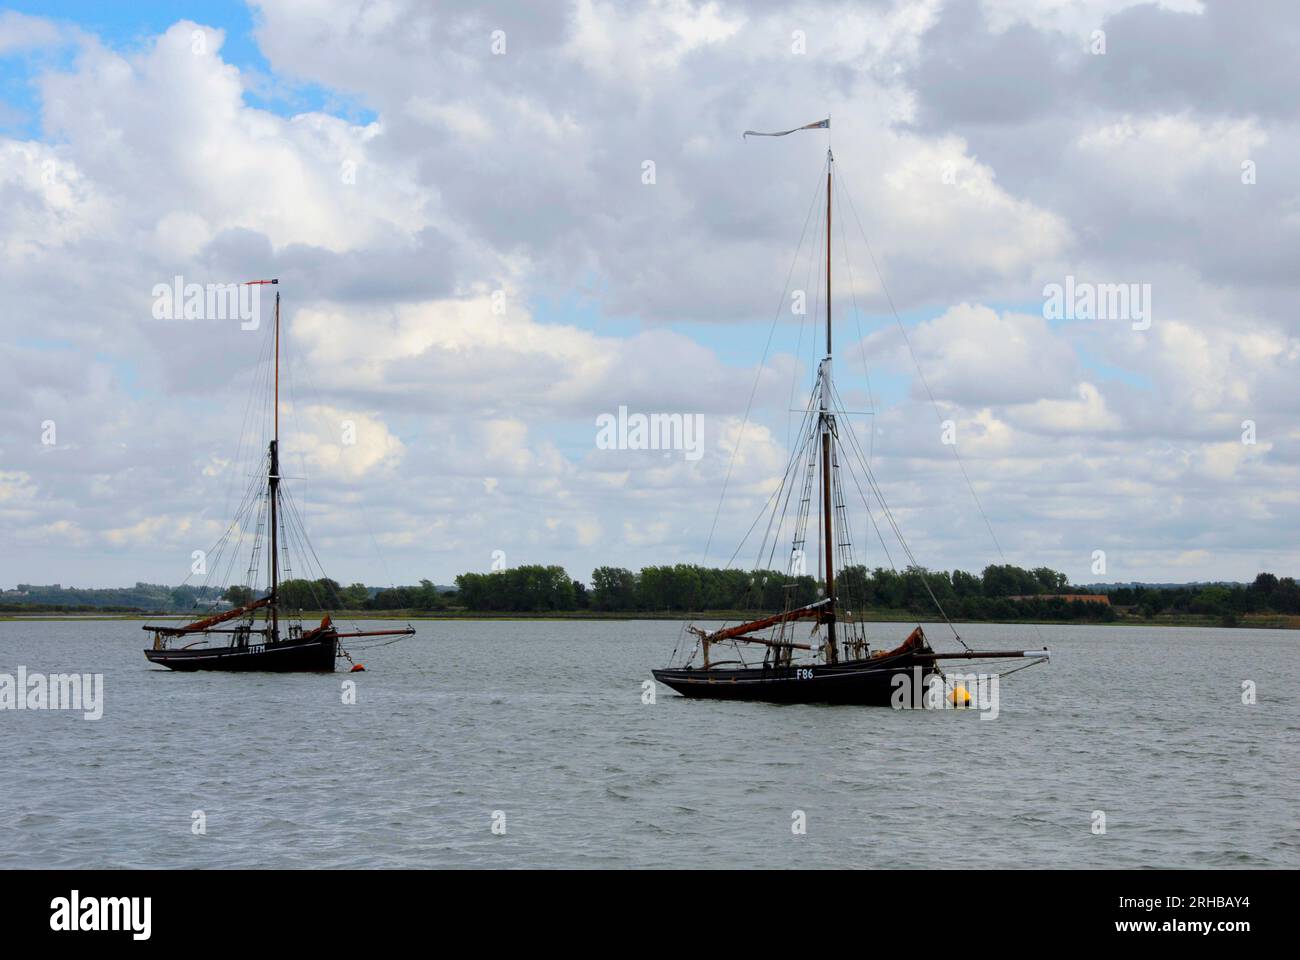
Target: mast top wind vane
<point>818,125</point>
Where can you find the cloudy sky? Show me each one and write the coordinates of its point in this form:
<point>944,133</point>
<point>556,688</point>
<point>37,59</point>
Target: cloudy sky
<point>474,269</point>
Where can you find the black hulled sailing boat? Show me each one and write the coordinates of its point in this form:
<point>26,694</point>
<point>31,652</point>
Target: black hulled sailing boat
<point>834,662</point>
<point>258,634</point>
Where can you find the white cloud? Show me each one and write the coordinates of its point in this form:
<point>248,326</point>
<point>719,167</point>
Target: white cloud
<point>341,442</point>
<point>609,42</point>
<point>1084,414</point>
<point>973,355</point>
<point>18,31</point>
<point>1077,17</point>
<point>150,531</point>
<point>475,416</point>
<point>168,128</point>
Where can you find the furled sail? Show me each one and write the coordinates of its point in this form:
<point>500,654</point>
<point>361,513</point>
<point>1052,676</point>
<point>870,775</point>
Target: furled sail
<point>812,611</point>
<point>199,625</point>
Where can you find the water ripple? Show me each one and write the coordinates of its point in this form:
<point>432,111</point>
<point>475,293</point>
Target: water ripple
<point>476,725</point>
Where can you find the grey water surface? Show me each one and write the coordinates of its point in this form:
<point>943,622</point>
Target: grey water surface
<point>543,721</point>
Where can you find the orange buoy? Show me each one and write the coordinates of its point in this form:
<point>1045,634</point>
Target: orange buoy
<point>356,667</point>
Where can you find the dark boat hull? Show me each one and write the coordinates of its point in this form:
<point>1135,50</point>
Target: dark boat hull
<point>862,682</point>
<point>302,655</point>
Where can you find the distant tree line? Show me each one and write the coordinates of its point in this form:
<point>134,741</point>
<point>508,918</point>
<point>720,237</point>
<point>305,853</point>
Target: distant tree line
<point>327,594</point>
<point>64,608</point>
<point>1267,594</point>
<point>532,588</point>
<point>688,587</point>
<point>143,596</point>
<point>999,592</point>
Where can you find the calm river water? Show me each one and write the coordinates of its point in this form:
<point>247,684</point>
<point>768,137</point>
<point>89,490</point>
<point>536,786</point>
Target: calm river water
<point>542,726</point>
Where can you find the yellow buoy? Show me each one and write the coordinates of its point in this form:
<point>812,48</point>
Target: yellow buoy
<point>960,696</point>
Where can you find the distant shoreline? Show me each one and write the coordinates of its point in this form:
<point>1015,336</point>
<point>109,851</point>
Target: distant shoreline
<point>1248,621</point>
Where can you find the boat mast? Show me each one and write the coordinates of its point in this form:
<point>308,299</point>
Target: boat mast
<point>832,655</point>
<point>274,481</point>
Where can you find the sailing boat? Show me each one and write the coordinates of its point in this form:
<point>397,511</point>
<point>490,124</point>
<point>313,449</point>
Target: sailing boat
<point>837,663</point>
<point>254,638</point>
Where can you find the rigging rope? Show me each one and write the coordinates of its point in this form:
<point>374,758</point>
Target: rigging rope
<point>924,383</point>
<point>857,322</point>
<point>758,373</point>
<point>360,502</point>
<point>898,533</point>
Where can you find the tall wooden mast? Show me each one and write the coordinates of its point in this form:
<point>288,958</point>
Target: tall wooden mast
<point>828,531</point>
<point>274,481</point>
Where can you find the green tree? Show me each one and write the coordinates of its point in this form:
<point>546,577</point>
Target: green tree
<point>613,588</point>
<point>354,597</point>
<point>1050,581</point>
<point>966,584</point>
<point>1265,584</point>
<point>426,596</point>
<point>238,595</point>
<point>394,598</point>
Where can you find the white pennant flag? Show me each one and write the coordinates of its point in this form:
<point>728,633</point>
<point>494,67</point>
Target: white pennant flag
<point>819,125</point>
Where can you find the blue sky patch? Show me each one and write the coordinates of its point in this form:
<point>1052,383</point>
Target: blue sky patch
<point>127,28</point>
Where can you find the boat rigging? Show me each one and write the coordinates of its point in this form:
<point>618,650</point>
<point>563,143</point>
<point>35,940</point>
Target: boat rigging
<point>257,639</point>
<point>836,662</point>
